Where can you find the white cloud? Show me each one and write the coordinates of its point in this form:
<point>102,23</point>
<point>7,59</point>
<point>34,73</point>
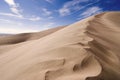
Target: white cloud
<point>46,12</point>
<point>64,11</point>
<point>35,19</point>
<point>49,1</point>
<point>70,5</point>
<point>90,11</point>
<point>12,15</point>
<point>73,6</point>
<point>10,2</point>
<point>14,7</point>
<point>16,12</point>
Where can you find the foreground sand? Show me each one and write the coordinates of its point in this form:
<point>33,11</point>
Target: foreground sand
<point>86,50</point>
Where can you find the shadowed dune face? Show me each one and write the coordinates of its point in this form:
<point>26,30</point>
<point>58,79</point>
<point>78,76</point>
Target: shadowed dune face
<point>14,39</point>
<point>105,30</point>
<point>86,50</point>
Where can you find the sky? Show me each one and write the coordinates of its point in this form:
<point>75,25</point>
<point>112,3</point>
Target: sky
<point>21,16</point>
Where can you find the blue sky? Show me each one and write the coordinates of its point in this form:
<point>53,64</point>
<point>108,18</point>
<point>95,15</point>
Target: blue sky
<point>17,16</point>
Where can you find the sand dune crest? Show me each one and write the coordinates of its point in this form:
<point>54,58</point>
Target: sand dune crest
<point>86,50</point>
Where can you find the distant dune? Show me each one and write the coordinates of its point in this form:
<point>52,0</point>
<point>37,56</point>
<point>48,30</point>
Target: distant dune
<point>18,38</point>
<point>86,50</point>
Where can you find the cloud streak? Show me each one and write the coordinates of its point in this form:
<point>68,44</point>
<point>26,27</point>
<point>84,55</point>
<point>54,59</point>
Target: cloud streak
<point>46,12</point>
<point>21,17</point>
<point>16,11</point>
<point>12,15</point>
<point>49,1</point>
<point>73,6</point>
<point>90,11</point>
<point>14,7</point>
<point>34,19</point>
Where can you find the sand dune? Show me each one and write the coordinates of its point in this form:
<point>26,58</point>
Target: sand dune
<point>18,38</point>
<point>86,50</point>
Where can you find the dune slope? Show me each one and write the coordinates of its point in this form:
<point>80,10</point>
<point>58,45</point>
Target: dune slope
<point>86,50</point>
<point>18,38</point>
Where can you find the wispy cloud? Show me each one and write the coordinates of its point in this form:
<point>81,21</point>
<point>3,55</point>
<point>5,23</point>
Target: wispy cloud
<point>73,6</point>
<point>35,19</point>
<point>46,12</point>
<point>49,1</point>
<point>64,11</point>
<point>90,11</point>
<point>14,7</point>
<point>17,12</point>
<point>12,15</point>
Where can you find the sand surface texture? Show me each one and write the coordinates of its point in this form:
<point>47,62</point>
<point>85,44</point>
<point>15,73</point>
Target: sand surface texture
<point>86,50</point>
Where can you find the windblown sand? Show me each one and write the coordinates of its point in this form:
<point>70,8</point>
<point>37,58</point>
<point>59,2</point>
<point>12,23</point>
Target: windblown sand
<point>86,50</point>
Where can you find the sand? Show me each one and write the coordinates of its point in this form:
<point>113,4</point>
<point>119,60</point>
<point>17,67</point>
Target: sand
<point>86,50</point>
